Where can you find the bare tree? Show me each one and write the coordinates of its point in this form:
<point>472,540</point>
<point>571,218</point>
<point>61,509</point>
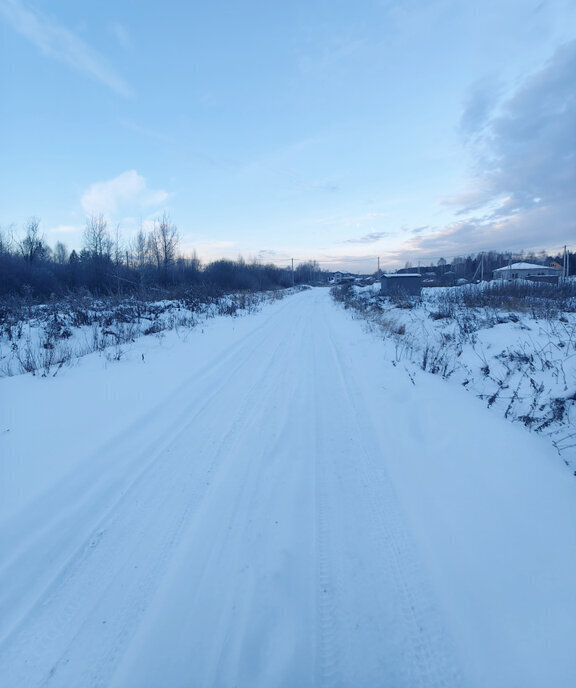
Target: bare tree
<point>118,250</point>
<point>97,239</point>
<point>6,240</point>
<point>32,247</point>
<point>163,244</point>
<point>60,253</point>
<point>139,249</point>
<point>153,249</point>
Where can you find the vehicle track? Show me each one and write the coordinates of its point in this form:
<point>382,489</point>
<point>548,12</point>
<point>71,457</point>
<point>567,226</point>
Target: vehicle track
<point>418,653</point>
<point>120,535</point>
<point>244,533</point>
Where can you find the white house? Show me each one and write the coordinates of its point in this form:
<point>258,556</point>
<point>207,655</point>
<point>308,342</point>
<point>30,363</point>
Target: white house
<point>340,277</point>
<point>525,270</point>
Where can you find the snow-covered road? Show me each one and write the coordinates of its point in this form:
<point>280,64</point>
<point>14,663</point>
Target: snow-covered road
<point>285,509</point>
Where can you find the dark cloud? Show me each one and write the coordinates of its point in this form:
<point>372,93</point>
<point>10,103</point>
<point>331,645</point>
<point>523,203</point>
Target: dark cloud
<point>542,227</point>
<point>327,186</point>
<point>479,105</point>
<point>523,195</point>
<point>529,150</point>
<point>368,238</point>
<point>271,253</point>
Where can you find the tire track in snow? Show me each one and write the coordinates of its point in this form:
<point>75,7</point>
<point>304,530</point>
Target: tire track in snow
<point>270,547</point>
<point>85,566</point>
<point>106,459</point>
<point>327,641</point>
<point>408,644</point>
<point>237,623</point>
<point>103,467</point>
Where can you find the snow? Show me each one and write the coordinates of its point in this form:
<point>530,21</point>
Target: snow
<point>523,266</point>
<point>270,501</point>
<point>521,363</point>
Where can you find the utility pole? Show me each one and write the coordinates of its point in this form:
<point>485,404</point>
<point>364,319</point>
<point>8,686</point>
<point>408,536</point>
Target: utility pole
<point>292,259</point>
<point>482,268</point>
<point>378,267</point>
<point>565,271</point>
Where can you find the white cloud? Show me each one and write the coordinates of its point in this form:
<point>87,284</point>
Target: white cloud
<point>122,36</point>
<point>60,43</point>
<point>126,192</point>
<point>64,229</point>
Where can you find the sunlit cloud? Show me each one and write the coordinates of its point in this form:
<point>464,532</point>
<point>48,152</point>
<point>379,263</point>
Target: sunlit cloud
<point>127,191</point>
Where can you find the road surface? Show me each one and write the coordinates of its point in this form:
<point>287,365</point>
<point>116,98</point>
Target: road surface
<point>295,513</point>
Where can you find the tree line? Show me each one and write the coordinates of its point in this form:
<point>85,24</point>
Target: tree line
<point>151,261</point>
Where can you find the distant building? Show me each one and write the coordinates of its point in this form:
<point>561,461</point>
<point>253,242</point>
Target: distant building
<point>525,271</point>
<point>407,284</point>
<point>340,277</point>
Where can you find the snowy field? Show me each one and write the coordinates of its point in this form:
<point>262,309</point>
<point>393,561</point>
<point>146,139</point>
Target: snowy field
<point>280,499</point>
<point>511,345</point>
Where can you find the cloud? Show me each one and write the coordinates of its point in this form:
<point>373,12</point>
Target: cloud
<point>524,152</point>
<point>121,35</point>
<point>269,253</point>
<point>64,229</point>
<point>527,152</point>
<point>368,238</point>
<point>543,227</point>
<point>58,42</point>
<point>125,192</point>
<point>480,102</point>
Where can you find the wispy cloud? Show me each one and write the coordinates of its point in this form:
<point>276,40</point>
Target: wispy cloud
<point>370,238</point>
<point>121,35</point>
<point>269,253</point>
<point>128,190</point>
<point>59,43</point>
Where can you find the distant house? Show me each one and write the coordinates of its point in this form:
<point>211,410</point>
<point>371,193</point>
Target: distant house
<point>340,277</point>
<point>407,284</point>
<point>525,271</point>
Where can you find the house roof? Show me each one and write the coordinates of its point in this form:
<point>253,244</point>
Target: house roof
<point>404,274</point>
<point>523,266</point>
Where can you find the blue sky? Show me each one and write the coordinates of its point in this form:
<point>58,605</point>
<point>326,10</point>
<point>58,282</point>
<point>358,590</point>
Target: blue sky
<point>311,129</point>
